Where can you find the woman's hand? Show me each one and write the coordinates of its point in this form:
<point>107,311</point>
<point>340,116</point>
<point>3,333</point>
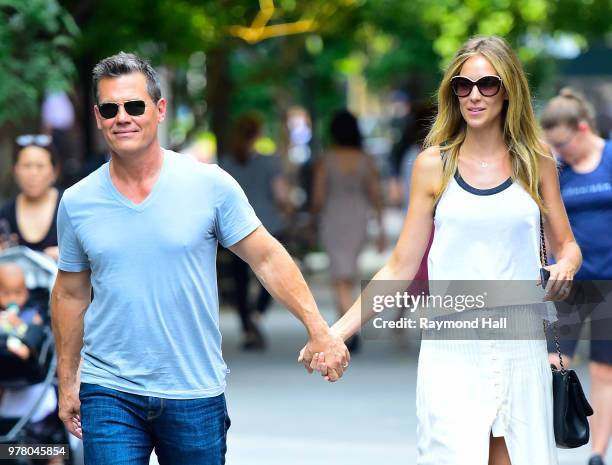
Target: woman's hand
<point>559,284</point>
<point>318,364</point>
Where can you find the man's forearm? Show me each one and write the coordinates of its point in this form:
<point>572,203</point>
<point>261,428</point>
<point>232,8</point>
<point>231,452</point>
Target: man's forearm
<point>67,320</point>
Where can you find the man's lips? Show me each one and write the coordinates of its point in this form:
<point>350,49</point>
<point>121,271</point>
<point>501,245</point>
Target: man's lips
<point>124,132</point>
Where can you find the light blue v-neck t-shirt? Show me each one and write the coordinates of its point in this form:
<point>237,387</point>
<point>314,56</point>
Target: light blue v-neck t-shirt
<point>153,326</point>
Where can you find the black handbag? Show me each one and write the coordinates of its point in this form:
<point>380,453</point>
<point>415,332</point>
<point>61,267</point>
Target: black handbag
<point>570,405</point>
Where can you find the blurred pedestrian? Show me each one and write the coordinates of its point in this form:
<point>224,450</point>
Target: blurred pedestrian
<point>29,218</point>
<point>58,117</point>
<point>262,180</point>
<point>346,187</point>
<point>586,186</point>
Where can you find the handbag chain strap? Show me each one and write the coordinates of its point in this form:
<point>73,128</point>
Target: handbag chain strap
<point>544,261</point>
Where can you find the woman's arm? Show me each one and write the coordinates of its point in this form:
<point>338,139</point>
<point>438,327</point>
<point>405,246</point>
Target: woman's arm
<point>558,232</point>
<point>404,262</point>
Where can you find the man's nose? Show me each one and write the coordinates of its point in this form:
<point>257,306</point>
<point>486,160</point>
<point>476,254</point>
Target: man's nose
<point>122,115</point>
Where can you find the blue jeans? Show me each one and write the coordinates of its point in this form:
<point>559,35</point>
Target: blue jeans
<point>122,429</point>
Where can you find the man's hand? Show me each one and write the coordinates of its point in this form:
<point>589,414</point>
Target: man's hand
<point>70,409</point>
<point>337,356</point>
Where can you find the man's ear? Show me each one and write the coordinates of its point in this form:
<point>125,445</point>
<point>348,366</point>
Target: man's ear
<point>161,110</point>
<point>98,117</point>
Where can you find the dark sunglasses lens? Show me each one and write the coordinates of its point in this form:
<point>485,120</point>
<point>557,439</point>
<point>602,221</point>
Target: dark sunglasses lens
<point>489,86</point>
<point>108,110</point>
<point>135,107</point>
<point>462,87</point>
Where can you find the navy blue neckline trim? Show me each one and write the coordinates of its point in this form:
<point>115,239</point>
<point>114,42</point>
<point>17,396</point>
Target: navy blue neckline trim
<point>473,190</point>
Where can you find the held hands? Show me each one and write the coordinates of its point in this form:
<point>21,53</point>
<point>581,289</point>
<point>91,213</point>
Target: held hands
<point>559,283</point>
<point>328,355</point>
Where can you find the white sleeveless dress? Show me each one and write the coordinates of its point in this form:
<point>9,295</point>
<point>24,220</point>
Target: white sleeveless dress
<point>467,389</point>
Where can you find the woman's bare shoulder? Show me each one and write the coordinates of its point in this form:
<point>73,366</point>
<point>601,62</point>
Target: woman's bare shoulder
<point>429,161</point>
<point>427,170</point>
<point>547,163</point>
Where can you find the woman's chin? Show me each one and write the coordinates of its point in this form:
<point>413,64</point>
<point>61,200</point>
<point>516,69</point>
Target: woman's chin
<point>34,194</point>
<point>478,123</point>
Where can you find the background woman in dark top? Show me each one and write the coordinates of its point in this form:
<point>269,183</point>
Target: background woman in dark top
<point>29,218</point>
<point>585,177</point>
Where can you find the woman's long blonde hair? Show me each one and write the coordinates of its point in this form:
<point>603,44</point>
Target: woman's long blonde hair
<point>520,128</point>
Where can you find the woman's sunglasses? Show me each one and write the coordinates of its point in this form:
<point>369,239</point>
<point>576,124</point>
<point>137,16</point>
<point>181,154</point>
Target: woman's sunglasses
<point>132,107</point>
<point>42,140</point>
<point>488,86</point>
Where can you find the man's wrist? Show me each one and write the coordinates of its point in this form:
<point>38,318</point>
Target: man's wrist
<point>318,330</point>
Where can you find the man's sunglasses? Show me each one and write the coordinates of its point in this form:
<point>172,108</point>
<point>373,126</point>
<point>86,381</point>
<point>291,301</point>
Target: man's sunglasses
<point>488,86</point>
<point>132,107</point>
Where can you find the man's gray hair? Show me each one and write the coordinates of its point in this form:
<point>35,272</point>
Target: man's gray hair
<point>126,63</point>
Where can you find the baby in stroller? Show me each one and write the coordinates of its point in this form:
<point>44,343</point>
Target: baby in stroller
<point>21,329</point>
<point>23,338</point>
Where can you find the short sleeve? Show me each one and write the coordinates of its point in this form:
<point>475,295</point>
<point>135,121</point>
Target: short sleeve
<point>234,217</point>
<point>72,258</point>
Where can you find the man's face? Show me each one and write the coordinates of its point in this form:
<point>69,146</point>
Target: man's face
<point>124,133</point>
<point>12,289</point>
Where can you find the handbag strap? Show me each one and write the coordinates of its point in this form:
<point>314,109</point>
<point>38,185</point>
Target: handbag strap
<point>544,261</point>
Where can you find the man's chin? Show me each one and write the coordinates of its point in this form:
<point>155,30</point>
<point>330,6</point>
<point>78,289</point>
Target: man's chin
<point>127,147</point>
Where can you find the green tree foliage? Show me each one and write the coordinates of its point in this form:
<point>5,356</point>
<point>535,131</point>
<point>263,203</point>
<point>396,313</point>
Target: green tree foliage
<point>35,40</point>
<point>393,43</point>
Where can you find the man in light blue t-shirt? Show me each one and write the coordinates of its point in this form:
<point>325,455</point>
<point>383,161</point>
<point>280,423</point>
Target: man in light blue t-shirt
<point>142,231</point>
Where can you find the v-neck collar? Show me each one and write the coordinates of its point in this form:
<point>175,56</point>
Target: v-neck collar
<point>152,195</point>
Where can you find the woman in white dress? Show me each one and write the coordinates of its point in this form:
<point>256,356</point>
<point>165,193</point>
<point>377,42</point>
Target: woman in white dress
<point>482,183</point>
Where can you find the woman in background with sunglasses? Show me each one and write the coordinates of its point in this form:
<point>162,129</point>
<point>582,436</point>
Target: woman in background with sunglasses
<point>30,217</point>
<point>586,186</point>
<point>481,183</point>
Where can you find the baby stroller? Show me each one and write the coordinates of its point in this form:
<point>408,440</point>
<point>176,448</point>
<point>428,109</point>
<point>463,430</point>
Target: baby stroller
<point>39,371</point>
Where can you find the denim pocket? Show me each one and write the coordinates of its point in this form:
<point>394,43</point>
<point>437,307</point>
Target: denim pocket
<point>86,389</point>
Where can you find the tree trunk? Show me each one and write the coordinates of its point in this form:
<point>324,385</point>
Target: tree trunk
<point>218,95</point>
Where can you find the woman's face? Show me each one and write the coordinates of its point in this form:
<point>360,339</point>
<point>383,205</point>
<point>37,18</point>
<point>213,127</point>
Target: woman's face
<point>565,142</point>
<point>477,110</point>
<point>34,171</point>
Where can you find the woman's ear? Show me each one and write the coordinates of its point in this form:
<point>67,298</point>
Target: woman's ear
<point>583,126</point>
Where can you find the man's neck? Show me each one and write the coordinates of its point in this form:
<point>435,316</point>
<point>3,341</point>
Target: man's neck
<point>137,167</point>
